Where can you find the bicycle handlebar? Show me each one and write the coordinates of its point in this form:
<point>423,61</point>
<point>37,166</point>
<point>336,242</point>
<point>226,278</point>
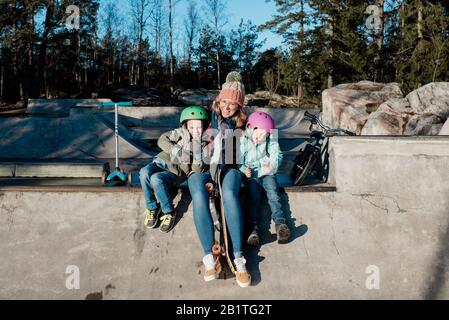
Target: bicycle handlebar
<point>315,120</point>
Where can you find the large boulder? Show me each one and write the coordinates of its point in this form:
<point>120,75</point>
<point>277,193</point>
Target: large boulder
<point>389,119</point>
<point>432,98</point>
<point>422,113</point>
<point>348,105</point>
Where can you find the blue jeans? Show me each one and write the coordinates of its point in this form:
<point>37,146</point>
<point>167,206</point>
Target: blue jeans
<point>155,179</point>
<point>231,183</point>
<point>270,185</point>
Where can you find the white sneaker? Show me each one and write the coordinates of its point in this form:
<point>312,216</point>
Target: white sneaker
<point>212,267</point>
<point>242,275</point>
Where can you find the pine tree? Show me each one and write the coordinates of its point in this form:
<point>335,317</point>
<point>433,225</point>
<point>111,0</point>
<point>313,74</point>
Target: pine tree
<point>244,46</point>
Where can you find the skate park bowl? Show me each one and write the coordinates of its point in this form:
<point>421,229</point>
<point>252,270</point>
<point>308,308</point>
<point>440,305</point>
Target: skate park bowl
<point>378,230</point>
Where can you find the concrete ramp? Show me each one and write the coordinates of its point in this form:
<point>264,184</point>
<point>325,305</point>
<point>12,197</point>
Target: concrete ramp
<point>156,120</point>
<point>60,106</point>
<point>81,135</point>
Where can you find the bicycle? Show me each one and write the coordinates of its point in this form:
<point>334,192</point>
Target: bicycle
<point>306,162</point>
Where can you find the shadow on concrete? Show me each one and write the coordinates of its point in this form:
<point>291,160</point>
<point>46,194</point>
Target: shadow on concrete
<point>438,276</point>
<point>253,259</point>
<point>264,222</point>
<point>183,205</point>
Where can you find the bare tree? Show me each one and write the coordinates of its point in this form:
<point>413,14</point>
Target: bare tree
<point>171,5</point>
<point>157,23</point>
<point>192,26</point>
<point>141,13</point>
<point>216,10</point>
<point>110,17</point>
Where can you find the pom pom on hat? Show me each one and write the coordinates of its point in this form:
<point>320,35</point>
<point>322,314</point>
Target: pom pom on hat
<point>233,89</point>
<point>234,76</point>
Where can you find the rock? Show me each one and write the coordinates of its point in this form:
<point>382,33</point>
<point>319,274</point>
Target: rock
<point>265,98</point>
<point>348,106</point>
<point>445,130</point>
<point>140,96</point>
<point>389,119</point>
<point>422,113</point>
<point>424,125</point>
<point>252,101</point>
<point>199,97</point>
<point>432,98</point>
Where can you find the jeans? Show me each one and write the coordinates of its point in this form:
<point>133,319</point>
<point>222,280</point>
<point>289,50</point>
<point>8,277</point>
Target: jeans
<point>155,179</point>
<point>231,183</point>
<point>270,185</point>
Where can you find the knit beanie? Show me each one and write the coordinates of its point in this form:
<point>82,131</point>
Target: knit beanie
<point>233,89</point>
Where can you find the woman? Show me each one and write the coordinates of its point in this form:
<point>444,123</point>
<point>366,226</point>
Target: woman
<point>227,120</point>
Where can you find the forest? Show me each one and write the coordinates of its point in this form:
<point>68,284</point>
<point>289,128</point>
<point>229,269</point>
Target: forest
<point>77,48</point>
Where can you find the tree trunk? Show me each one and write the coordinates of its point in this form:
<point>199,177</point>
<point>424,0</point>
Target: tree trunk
<point>420,20</point>
<point>218,70</point>
<point>380,41</point>
<point>27,59</point>
<point>41,78</point>
<point>77,68</point>
<point>1,81</point>
<point>170,25</point>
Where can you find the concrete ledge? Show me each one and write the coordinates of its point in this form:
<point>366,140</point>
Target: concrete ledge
<point>95,186</point>
<point>59,170</point>
<point>7,170</point>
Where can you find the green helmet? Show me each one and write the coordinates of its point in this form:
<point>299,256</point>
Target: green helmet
<point>193,113</point>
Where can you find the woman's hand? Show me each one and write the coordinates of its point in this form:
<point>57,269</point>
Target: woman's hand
<point>209,187</point>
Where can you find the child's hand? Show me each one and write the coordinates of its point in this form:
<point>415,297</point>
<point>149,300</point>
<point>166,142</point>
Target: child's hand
<point>209,187</point>
<point>266,167</point>
<point>248,172</point>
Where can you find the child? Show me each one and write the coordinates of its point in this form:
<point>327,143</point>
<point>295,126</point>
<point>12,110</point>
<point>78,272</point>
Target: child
<point>173,166</point>
<point>261,158</point>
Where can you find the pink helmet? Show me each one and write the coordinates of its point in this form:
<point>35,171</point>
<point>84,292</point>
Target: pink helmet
<point>260,120</point>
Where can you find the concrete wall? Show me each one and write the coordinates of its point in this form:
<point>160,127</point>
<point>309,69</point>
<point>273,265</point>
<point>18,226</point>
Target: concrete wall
<point>390,211</point>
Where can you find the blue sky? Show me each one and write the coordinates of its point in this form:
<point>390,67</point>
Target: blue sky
<point>258,11</point>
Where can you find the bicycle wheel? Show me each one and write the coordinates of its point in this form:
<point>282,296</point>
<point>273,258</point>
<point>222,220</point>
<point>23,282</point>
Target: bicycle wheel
<point>304,170</point>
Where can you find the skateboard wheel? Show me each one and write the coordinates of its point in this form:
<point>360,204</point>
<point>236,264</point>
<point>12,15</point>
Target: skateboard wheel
<point>216,249</point>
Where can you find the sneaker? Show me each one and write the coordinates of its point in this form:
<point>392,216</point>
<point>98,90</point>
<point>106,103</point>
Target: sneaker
<point>212,267</point>
<point>282,232</point>
<point>151,217</point>
<point>241,274</point>
<point>168,220</point>
<point>253,239</point>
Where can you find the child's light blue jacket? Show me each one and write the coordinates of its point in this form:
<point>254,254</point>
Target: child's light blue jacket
<point>263,159</point>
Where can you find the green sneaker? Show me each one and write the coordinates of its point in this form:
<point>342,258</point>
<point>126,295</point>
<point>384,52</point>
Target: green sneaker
<point>168,220</point>
<point>151,217</point>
